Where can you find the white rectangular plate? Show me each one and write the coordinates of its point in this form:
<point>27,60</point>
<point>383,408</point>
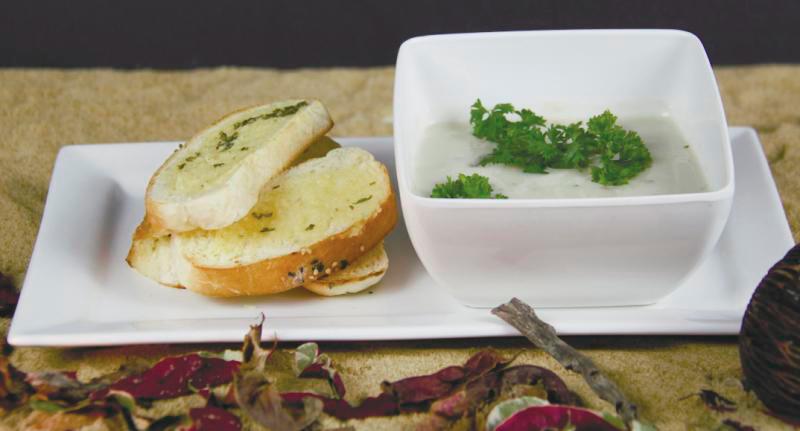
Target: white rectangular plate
<point>80,292</point>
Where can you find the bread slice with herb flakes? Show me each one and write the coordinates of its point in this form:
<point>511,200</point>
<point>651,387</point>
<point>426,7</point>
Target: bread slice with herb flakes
<point>307,224</point>
<point>214,179</point>
<point>153,258</point>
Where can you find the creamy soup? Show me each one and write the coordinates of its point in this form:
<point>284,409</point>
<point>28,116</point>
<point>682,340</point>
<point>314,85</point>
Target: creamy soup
<point>450,149</point>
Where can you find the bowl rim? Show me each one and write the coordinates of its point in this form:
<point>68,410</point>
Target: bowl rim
<point>548,33</point>
<point>720,194</point>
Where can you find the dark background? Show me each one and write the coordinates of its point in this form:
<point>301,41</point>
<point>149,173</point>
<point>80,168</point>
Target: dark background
<point>319,33</point>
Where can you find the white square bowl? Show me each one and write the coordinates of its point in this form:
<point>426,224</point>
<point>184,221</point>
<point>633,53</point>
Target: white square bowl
<point>563,252</point>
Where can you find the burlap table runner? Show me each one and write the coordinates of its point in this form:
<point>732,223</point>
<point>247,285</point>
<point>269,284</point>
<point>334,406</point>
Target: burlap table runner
<point>42,110</point>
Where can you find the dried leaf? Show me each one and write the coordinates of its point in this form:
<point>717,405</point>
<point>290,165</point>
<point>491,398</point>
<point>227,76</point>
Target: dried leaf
<point>557,391</point>
<point>459,391</point>
<point>413,393</point>
<point>260,400</point>
<point>497,385</point>
<point>115,394</point>
<point>414,390</point>
<point>326,371</point>
<point>61,393</point>
<point>438,423</point>
<point>176,376</point>
<point>304,356</point>
<point>468,398</point>
<point>638,425</point>
<point>8,296</point>
<point>452,391</point>
<point>714,401</point>
<point>211,418</point>
<point>14,390</point>
<point>556,417</point>
<point>503,410</point>
<point>170,422</point>
<point>485,361</point>
<point>309,363</point>
<point>62,421</point>
<point>456,390</point>
<point>381,405</point>
<point>208,418</point>
<point>252,353</point>
<point>46,406</point>
<point>63,386</point>
<point>116,407</point>
<point>733,425</point>
<point>233,355</point>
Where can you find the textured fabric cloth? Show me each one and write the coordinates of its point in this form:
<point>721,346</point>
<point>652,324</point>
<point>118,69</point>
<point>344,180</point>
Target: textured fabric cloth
<point>42,110</point>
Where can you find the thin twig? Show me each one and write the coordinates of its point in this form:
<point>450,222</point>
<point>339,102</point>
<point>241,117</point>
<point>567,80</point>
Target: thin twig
<point>521,316</point>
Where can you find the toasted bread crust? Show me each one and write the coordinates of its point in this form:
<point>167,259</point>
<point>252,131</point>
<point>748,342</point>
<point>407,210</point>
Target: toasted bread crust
<point>287,272</point>
<point>232,200</point>
<point>345,287</point>
<point>364,273</point>
<point>142,260</point>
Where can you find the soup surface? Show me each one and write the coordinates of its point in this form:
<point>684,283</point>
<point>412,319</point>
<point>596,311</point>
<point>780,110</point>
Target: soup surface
<point>448,149</point>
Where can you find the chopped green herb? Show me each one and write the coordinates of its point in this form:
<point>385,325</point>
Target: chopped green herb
<point>191,158</point>
<point>244,148</point>
<point>182,165</point>
<point>470,187</point>
<point>372,183</point>
<point>46,406</point>
<point>309,227</point>
<point>280,112</point>
<point>216,165</point>
<point>239,124</point>
<point>259,216</point>
<point>275,187</point>
<point>267,229</point>
<point>362,200</point>
<point>685,146</point>
<point>613,155</point>
<point>226,141</point>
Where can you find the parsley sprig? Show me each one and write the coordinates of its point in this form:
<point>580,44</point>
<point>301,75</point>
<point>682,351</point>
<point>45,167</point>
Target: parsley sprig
<point>471,187</point>
<point>613,154</point>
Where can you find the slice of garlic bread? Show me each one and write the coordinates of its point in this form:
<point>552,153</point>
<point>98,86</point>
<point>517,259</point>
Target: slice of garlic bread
<point>154,259</point>
<point>308,223</point>
<point>365,272</point>
<point>152,255</point>
<point>214,179</point>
